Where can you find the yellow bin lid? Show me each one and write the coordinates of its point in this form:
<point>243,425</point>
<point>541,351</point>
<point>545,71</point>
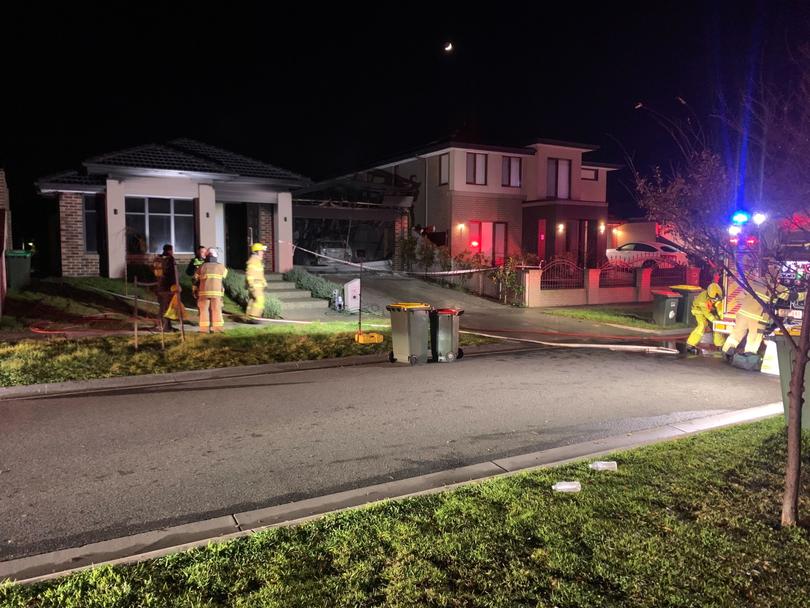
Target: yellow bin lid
<point>408,306</point>
<point>686,287</point>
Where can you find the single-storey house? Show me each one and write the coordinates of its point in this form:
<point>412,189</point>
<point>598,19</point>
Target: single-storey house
<point>121,208</point>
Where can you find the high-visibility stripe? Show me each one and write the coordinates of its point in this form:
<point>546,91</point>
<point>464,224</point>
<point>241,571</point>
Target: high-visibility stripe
<point>214,294</point>
<point>218,323</point>
<point>211,276</point>
<point>202,324</point>
<point>750,315</point>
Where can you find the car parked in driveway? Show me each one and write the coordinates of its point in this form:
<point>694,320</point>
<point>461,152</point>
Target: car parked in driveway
<point>646,254</point>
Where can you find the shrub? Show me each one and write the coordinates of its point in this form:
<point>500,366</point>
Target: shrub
<point>236,288</point>
<point>317,286</point>
<point>407,252</point>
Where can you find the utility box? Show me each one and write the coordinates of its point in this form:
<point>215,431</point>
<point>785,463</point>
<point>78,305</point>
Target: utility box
<point>665,307</point>
<point>688,294</point>
<point>351,295</point>
<point>18,268</point>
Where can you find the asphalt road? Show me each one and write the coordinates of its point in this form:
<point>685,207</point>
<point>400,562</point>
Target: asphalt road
<point>89,467</point>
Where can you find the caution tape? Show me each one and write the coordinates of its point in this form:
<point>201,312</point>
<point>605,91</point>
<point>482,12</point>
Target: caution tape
<point>416,274</point>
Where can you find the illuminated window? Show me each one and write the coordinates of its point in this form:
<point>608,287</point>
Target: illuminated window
<point>488,239</point>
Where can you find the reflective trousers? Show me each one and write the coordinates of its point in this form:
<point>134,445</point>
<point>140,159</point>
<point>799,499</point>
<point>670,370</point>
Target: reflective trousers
<point>255,308</point>
<point>210,314</point>
<point>744,327</point>
<point>702,323</point>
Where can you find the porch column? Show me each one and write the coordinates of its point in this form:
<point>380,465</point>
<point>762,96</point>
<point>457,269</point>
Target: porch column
<point>116,230</point>
<point>283,237</point>
<point>206,217</point>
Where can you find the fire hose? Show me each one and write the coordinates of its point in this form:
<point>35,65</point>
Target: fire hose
<point>633,348</point>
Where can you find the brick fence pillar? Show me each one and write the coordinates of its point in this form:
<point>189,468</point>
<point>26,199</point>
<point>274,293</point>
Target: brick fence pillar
<point>643,280</point>
<point>693,276</point>
<point>592,285</point>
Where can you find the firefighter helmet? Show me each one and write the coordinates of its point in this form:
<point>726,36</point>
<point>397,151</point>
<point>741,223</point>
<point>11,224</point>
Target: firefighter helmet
<point>714,291</point>
<point>258,247</point>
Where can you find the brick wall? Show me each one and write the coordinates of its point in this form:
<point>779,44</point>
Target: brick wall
<point>267,236</point>
<point>76,262</point>
<point>402,226</point>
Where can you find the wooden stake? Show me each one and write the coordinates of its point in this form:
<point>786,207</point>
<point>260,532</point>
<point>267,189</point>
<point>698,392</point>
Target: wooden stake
<point>179,303</point>
<point>136,313</point>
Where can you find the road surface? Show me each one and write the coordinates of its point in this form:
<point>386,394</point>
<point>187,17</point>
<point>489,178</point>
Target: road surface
<point>84,468</point>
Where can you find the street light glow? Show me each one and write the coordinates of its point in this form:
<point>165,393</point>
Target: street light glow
<point>758,218</point>
<point>734,230</point>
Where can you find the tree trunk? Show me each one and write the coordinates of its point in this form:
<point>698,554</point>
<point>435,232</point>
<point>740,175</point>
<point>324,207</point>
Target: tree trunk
<point>793,469</point>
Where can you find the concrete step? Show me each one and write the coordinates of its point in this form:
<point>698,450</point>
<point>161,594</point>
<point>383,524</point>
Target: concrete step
<point>274,276</point>
<point>290,294</point>
<point>304,304</point>
<point>279,285</point>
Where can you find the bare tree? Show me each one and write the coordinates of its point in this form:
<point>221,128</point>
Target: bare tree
<point>700,193</point>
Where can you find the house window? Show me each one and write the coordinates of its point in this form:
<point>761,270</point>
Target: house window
<point>444,169</point>
<point>91,223</point>
<point>558,184</point>
<point>511,173</point>
<point>590,174</point>
<point>476,169</point>
<point>154,222</point>
<point>489,239</point>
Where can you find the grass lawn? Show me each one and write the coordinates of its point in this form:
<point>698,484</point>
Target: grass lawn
<point>632,315</point>
<point>42,361</point>
<point>685,523</point>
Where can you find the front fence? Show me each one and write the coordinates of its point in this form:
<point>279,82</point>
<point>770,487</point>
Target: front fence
<point>616,274</point>
<point>562,273</point>
<point>665,275</point>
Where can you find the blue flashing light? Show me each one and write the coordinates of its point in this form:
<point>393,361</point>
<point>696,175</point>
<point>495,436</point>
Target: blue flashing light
<point>740,217</point>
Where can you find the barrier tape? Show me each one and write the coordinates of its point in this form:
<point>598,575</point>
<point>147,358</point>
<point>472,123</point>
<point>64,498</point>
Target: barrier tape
<point>416,274</point>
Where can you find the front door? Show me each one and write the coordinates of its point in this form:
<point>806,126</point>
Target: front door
<point>236,235</point>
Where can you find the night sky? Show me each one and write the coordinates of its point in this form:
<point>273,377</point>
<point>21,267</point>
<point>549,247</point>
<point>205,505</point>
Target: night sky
<point>323,91</point>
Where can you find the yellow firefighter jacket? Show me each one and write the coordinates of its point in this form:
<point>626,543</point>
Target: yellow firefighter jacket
<point>255,273</point>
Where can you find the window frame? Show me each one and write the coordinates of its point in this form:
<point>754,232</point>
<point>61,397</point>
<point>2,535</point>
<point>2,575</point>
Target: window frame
<point>506,176</point>
<point>556,162</point>
<point>172,214</point>
<point>474,156</point>
<point>595,171</point>
<point>445,156</point>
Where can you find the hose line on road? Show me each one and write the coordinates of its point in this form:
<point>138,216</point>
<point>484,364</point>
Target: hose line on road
<point>633,348</point>
<point>552,332</point>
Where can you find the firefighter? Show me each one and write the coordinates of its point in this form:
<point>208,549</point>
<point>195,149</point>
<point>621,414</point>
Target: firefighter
<point>192,268</point>
<point>750,322</point>
<point>256,281</point>
<point>705,309</point>
<point>211,290</point>
<point>166,275</point>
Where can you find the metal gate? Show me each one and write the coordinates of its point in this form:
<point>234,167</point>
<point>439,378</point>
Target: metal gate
<point>562,273</point>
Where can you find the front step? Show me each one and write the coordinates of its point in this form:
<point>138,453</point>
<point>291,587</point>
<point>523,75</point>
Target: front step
<point>279,285</point>
<point>274,276</point>
<point>289,294</point>
<point>303,304</point>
